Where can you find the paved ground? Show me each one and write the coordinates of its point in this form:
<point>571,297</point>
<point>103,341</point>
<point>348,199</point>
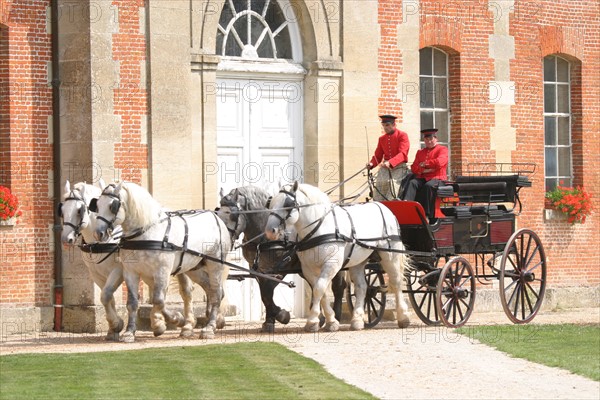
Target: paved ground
<point>416,363</point>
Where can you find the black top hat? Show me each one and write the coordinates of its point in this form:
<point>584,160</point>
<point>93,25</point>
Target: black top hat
<point>387,118</point>
<point>429,132</point>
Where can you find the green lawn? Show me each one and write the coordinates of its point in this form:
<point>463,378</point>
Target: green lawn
<point>575,348</point>
<point>230,371</point>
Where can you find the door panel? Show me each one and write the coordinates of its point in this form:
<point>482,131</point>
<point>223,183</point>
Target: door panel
<point>259,141</point>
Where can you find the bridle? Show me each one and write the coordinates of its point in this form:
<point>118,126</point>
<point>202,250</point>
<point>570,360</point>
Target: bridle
<point>290,204</point>
<point>82,211</point>
<point>236,209</point>
<point>114,207</point>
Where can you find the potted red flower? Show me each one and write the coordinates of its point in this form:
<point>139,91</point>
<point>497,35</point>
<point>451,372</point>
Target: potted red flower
<point>9,207</point>
<point>575,203</point>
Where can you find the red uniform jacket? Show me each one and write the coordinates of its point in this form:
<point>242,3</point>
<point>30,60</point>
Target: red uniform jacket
<point>392,148</point>
<point>435,162</point>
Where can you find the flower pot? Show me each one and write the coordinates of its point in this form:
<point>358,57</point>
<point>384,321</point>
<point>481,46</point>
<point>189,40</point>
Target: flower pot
<point>8,222</point>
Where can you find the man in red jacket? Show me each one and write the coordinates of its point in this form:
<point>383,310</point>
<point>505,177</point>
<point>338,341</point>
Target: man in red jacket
<point>428,171</point>
<point>391,154</point>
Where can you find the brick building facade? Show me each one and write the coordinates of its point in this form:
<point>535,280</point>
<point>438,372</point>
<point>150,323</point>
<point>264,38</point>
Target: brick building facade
<point>134,99</point>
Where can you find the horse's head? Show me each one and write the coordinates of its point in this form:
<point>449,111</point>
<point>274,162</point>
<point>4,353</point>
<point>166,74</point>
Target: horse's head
<point>285,212</point>
<point>109,210</point>
<point>73,211</point>
<point>229,212</point>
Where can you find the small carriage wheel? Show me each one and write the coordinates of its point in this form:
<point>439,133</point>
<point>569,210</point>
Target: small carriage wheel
<point>421,294</point>
<point>376,295</point>
<point>455,294</point>
<point>522,276</point>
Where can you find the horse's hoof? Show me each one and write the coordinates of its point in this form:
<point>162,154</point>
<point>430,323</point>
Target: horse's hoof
<point>403,323</point>
<point>186,333</point>
<point>120,326</point>
<point>128,337</point>
<point>268,327</point>
<point>179,320</point>
<point>220,322</point>
<point>357,324</point>
<point>160,330</point>
<point>311,327</point>
<point>332,326</point>
<point>202,322</point>
<point>283,316</point>
<point>112,337</point>
<point>207,333</point>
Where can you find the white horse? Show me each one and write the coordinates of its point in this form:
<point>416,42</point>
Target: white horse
<point>157,243</point>
<point>100,258</point>
<point>332,237</point>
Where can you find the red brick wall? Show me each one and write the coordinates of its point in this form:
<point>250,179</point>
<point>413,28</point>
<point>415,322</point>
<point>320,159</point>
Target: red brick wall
<point>26,262</point>
<point>129,49</point>
<point>540,28</point>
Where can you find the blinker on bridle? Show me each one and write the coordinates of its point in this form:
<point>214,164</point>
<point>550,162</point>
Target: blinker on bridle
<point>82,211</point>
<point>114,207</point>
<point>290,204</point>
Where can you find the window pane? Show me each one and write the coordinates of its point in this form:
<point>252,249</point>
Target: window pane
<point>240,5</point>
<point>439,63</point>
<point>562,70</point>
<point>549,98</point>
<point>265,49</point>
<point>426,88</point>
<point>257,6</point>
<point>550,184</point>
<point>441,93</point>
<point>425,57</point>
<point>550,131</point>
<point>232,48</point>
<point>550,161</point>
<point>549,69</point>
<point>427,120</point>
<point>241,27</point>
<point>441,122</point>
<point>563,98</point>
<point>283,44</point>
<point>564,161</point>
<point>563,131</point>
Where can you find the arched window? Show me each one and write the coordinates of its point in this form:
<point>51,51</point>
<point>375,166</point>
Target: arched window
<point>433,84</point>
<point>557,122</point>
<point>254,29</point>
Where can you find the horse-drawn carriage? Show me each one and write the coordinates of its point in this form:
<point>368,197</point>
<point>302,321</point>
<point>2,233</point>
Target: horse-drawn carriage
<point>477,220</point>
<point>372,241</point>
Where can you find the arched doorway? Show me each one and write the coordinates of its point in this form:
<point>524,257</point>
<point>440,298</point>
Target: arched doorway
<point>259,108</point>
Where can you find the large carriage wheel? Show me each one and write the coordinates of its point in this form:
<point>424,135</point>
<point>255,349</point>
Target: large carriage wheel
<point>455,295</point>
<point>522,276</point>
<point>376,295</point>
<point>421,291</point>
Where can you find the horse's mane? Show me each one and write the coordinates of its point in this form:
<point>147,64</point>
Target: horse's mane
<point>141,208</point>
<point>83,190</point>
<point>314,194</point>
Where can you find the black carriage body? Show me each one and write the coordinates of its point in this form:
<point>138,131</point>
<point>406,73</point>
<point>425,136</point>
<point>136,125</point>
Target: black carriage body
<point>451,235</point>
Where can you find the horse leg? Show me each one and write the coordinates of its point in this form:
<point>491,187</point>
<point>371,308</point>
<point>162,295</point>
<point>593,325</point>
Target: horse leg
<point>338,286</point>
<point>319,297</point>
<point>273,311</point>
<point>357,274</point>
<point>185,290</point>
<point>396,281</point>
<point>214,295</point>
<point>157,314</point>
<point>115,323</point>
<point>132,281</point>
<point>200,276</point>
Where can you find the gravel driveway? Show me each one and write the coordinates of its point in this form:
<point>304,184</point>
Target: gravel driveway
<point>419,362</point>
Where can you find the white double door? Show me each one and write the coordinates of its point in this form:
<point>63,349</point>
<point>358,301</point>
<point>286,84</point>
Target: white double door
<point>260,142</point>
